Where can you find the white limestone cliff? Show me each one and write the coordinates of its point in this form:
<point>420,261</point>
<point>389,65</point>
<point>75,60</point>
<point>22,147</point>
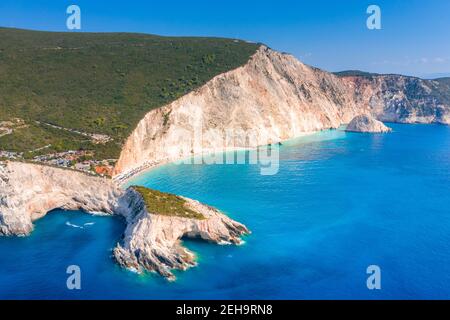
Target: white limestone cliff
<point>28,192</point>
<point>274,97</point>
<point>397,98</point>
<point>151,242</point>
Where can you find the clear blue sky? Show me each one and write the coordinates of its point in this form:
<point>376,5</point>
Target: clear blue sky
<point>415,35</point>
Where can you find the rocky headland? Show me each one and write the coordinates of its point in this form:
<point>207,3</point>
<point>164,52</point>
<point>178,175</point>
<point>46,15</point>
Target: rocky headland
<point>151,240</point>
<point>367,124</point>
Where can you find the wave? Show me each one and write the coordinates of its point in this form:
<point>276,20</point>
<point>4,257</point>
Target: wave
<point>73,225</point>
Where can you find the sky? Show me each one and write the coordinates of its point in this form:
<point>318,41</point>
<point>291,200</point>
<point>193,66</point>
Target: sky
<point>414,38</point>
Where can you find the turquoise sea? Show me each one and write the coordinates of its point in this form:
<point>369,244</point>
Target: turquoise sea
<point>340,202</point>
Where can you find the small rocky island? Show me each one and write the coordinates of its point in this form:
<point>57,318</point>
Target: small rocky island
<point>156,221</point>
<point>367,124</point>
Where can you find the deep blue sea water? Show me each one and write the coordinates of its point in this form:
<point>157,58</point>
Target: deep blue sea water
<point>340,202</point>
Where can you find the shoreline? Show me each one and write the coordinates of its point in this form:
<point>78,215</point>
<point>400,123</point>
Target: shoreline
<point>123,178</point>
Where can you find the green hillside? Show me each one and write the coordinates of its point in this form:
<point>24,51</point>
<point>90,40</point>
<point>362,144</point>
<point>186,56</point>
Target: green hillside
<point>97,83</point>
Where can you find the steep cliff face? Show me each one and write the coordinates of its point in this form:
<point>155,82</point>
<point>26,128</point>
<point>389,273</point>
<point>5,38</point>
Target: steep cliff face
<point>153,242</point>
<point>150,242</point>
<point>275,97</point>
<point>396,98</point>
<point>272,98</point>
<point>28,192</point>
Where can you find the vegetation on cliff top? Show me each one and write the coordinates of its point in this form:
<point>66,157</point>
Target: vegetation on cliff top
<point>101,83</point>
<point>166,204</point>
<point>355,73</point>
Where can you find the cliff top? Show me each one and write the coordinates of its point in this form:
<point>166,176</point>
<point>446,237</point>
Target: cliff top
<point>166,204</point>
<point>365,74</point>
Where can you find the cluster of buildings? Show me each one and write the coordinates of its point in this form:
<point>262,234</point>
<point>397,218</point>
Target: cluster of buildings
<point>63,159</point>
<point>10,155</point>
<point>79,160</point>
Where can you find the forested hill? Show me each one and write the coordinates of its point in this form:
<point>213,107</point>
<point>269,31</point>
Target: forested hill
<point>57,89</point>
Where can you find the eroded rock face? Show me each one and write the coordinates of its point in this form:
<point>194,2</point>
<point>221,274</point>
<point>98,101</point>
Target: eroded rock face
<point>367,124</point>
<point>151,242</point>
<point>397,98</point>
<point>274,97</point>
<point>28,192</point>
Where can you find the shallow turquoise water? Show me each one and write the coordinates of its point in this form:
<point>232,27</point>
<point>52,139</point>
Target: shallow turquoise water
<point>340,202</point>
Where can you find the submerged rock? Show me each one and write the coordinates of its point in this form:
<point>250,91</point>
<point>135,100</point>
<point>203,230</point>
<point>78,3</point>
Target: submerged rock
<point>151,241</point>
<point>367,123</point>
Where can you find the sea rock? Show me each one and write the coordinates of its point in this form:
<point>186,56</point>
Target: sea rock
<point>151,242</point>
<point>367,123</point>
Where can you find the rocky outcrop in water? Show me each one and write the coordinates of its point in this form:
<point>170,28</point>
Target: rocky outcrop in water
<point>151,242</point>
<point>367,124</point>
